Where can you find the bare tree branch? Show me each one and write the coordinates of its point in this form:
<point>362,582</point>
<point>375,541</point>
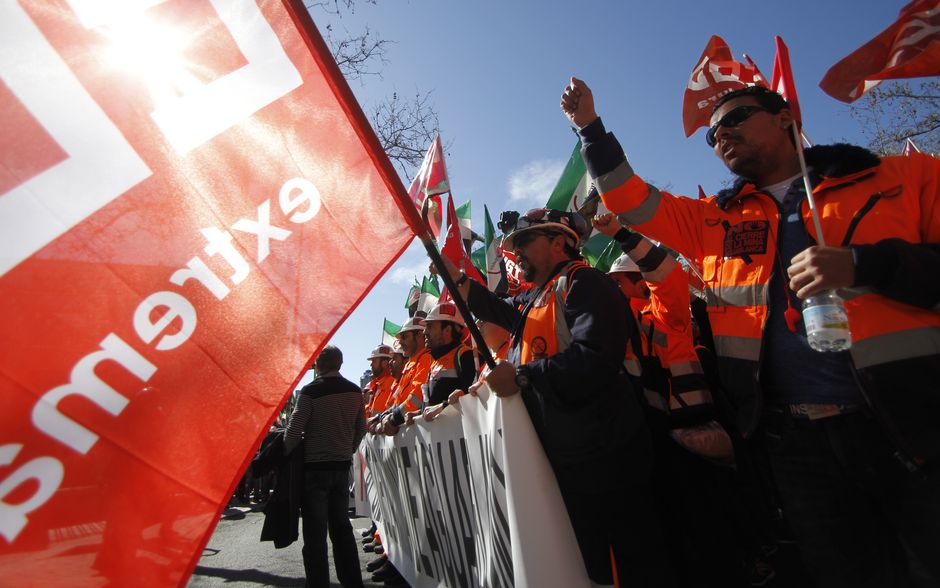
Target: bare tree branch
<point>405,128</point>
<point>356,56</point>
<point>893,112</point>
<point>335,6</point>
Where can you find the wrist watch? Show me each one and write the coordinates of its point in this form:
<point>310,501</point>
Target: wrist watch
<point>463,278</point>
<point>522,378</point>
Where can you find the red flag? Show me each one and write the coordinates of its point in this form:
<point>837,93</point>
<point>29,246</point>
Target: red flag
<point>454,249</point>
<point>782,79</point>
<point>701,193</point>
<point>515,283</point>
<point>430,181</point>
<point>909,48</point>
<point>715,74</point>
<point>176,243</point>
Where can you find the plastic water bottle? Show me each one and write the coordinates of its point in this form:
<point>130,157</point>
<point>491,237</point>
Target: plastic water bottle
<point>827,324</point>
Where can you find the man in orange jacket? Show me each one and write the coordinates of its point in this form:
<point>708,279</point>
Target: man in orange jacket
<point>852,436</point>
<point>380,386</point>
<point>407,395</point>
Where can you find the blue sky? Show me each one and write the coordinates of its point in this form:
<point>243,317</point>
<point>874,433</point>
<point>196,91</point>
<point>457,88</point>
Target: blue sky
<point>497,70</point>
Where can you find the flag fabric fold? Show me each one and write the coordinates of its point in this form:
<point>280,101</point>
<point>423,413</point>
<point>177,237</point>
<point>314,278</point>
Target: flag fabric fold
<point>430,181</point>
<point>716,73</point>
<point>171,297</point>
<point>454,249</point>
<point>389,332</point>
<point>782,79</point>
<point>908,48</point>
<point>430,294</point>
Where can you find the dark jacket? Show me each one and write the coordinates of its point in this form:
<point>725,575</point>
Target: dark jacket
<point>282,512</point>
<point>583,406</point>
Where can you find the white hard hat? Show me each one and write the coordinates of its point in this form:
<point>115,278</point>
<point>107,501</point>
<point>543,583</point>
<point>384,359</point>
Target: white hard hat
<point>446,311</point>
<point>623,264</point>
<point>415,323</point>
<point>396,347</point>
<point>383,351</point>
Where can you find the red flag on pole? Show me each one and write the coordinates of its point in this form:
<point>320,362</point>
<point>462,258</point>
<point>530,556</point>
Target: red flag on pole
<point>909,48</point>
<point>430,181</point>
<point>454,249</point>
<point>782,79</point>
<point>715,74</point>
<point>176,243</point>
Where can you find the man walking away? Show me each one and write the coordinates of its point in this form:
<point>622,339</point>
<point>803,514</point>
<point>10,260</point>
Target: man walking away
<point>330,418</point>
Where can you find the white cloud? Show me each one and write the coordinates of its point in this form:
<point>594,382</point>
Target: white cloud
<point>405,274</point>
<point>533,182</point>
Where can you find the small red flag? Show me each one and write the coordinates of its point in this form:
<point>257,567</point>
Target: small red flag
<point>453,245</point>
<point>909,48</point>
<point>430,181</point>
<point>782,79</point>
<point>701,193</point>
<point>716,73</point>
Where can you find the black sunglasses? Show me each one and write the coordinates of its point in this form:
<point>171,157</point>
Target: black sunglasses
<point>731,120</point>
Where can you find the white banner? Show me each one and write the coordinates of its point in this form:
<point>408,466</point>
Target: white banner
<point>469,499</point>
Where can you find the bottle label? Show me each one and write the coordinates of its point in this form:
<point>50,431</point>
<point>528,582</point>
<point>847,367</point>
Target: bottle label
<point>825,316</point>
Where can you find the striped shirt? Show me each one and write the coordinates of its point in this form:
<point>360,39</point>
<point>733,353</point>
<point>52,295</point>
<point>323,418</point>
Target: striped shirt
<point>330,418</point>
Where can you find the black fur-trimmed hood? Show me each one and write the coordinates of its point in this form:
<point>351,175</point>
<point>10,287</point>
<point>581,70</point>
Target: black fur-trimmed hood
<point>831,161</point>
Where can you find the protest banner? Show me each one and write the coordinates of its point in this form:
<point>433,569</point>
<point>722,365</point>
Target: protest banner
<point>469,499</point>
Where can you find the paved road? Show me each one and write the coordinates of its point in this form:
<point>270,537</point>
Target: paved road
<point>235,558</point>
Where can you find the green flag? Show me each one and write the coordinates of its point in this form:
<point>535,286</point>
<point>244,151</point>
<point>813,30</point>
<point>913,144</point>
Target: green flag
<point>573,193</point>
<point>430,293</point>
<point>463,221</point>
<point>413,294</point>
<point>389,330</point>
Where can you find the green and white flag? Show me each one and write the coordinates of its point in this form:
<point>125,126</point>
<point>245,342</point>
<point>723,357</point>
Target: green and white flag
<point>414,294</point>
<point>430,293</point>
<point>573,193</point>
<point>389,331</point>
<point>488,258</point>
<point>463,221</point>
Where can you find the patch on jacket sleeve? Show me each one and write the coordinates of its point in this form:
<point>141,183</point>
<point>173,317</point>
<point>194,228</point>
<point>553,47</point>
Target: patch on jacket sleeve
<point>746,238</point>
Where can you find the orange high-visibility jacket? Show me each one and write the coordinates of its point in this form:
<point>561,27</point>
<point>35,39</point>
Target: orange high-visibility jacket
<point>886,209</point>
<point>407,392</point>
<point>665,326</point>
<point>381,390</point>
<point>453,370</point>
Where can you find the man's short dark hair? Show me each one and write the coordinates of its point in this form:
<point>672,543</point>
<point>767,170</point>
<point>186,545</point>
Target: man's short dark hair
<point>766,98</point>
<point>330,359</point>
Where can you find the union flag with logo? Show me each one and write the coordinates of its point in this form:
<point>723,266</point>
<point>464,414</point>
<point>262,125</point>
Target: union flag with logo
<point>716,73</point>
<point>185,192</point>
<point>909,48</point>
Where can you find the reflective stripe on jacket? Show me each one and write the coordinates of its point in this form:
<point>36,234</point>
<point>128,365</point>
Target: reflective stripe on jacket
<point>887,210</point>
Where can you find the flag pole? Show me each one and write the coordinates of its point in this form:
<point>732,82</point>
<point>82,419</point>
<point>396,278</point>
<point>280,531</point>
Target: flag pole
<point>807,185</point>
<point>757,69</point>
<point>425,236</point>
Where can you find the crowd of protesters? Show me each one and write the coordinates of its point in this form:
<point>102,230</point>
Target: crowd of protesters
<point>690,426</point>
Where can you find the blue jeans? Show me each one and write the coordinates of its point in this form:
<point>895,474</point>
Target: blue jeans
<point>860,517</point>
<point>325,507</point>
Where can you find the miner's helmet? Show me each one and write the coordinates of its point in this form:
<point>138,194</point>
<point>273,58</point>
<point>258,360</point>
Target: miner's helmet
<point>570,224</point>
